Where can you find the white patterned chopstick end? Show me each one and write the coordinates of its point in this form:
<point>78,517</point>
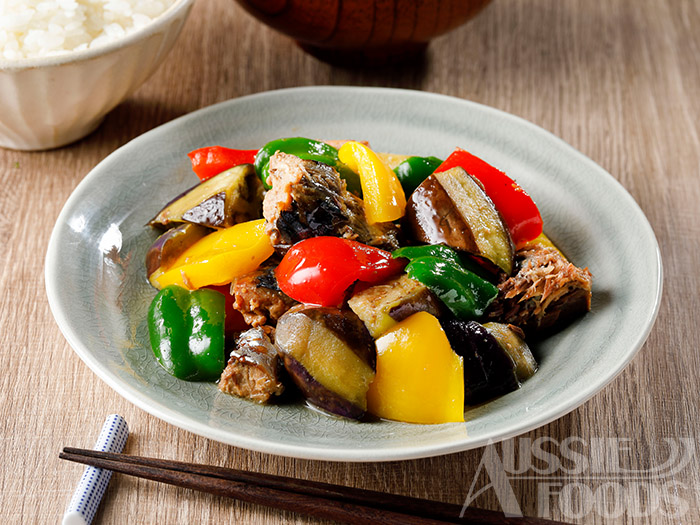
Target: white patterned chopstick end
<point>92,486</point>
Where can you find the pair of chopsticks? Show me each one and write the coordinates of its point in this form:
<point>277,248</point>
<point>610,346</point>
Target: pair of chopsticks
<point>322,500</point>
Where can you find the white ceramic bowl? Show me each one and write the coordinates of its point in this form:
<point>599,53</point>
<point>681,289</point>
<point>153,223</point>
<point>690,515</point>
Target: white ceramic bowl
<point>50,102</point>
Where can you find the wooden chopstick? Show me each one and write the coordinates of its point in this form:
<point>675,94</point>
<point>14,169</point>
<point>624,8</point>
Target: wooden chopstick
<point>323,500</point>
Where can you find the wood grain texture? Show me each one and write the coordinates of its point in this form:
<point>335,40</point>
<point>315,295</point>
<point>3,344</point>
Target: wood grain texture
<point>618,80</point>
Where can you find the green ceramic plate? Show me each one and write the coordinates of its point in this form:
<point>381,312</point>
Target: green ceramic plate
<point>99,295</point>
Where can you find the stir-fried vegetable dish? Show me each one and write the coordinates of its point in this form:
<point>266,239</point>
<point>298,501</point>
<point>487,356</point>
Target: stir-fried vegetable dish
<point>373,285</point>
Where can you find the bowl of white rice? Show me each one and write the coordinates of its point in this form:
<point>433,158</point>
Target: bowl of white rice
<point>64,64</point>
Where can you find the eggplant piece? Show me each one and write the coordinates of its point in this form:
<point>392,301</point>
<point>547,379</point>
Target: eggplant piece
<point>382,306</point>
<point>253,371</point>
<point>511,339</point>
<point>489,371</point>
<point>317,394</point>
<point>170,245</point>
<point>228,198</point>
<point>330,356</point>
<point>452,208</point>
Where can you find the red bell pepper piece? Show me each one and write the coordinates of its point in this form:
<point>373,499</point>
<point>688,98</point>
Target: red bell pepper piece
<point>517,208</point>
<point>318,271</point>
<point>212,160</point>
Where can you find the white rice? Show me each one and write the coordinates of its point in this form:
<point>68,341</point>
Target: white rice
<point>40,28</point>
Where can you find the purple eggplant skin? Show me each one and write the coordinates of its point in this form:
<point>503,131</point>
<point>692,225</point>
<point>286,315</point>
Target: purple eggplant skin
<point>222,201</point>
<point>317,394</point>
<point>349,328</point>
<point>512,340</point>
<point>330,355</point>
<point>436,215</point>
<point>489,371</point>
<point>171,244</point>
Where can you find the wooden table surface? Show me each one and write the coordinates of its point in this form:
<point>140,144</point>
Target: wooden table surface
<point>618,80</point>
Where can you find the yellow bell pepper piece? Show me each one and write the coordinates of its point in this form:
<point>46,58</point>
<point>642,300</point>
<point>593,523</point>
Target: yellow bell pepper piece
<point>381,190</point>
<point>419,378</point>
<point>219,257</point>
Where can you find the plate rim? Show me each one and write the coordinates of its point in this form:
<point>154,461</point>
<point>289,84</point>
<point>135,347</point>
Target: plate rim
<point>335,454</point>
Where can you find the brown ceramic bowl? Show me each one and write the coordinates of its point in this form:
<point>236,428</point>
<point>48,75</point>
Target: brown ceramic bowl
<point>363,31</point>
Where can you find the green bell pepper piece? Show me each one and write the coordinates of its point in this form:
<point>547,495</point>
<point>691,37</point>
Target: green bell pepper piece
<point>414,170</point>
<point>466,294</point>
<point>444,252</point>
<point>307,149</point>
<point>428,250</point>
<point>442,270</point>
<point>186,330</point>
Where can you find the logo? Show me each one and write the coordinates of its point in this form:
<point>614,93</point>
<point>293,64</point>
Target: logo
<point>582,477</point>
